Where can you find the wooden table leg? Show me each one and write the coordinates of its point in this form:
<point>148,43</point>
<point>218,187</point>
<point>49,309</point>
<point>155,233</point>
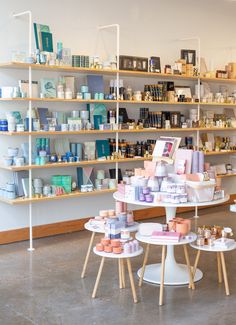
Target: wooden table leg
<point>144,265</point>
<point>224,273</point>
<point>87,255</point>
<point>163,258</point>
<point>123,272</point>
<point>120,274</point>
<point>131,280</point>
<point>219,268</point>
<point>191,282</point>
<point>98,277</point>
<point>194,269</point>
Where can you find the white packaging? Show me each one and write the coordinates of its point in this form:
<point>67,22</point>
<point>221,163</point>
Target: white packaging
<point>200,191</point>
<point>146,229</point>
<point>7,92</point>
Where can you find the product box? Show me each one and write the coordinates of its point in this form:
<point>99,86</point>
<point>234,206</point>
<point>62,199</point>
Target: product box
<point>231,68</point>
<point>70,83</point>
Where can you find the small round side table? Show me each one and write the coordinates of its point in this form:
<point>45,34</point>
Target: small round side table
<point>221,266</point>
<point>121,257</point>
<point>162,272</point>
<point>88,226</point>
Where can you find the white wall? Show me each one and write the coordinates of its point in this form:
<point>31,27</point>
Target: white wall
<point>147,28</point>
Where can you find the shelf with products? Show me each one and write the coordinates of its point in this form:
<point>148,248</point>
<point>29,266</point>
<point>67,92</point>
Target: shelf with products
<point>111,101</point>
<point>216,153</point>
<point>140,131</point>
<point>75,194</point>
<point>18,65</point>
<point>226,175</point>
<point>74,164</point>
<point>59,68</point>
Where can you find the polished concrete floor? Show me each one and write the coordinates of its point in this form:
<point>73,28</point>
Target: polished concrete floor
<point>45,288</point>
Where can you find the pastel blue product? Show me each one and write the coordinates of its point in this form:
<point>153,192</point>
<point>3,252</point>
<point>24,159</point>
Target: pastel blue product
<point>96,96</point>
<point>10,187</point>
<point>110,96</point>
<point>37,160</point>
<point>73,148</point>
<point>11,195</point>
<point>100,96</point>
<point>79,151</point>
<point>97,121</point>
<point>27,124</point>
<point>87,96</point>
<point>59,50</point>
<point>43,160</point>
<point>84,89</point>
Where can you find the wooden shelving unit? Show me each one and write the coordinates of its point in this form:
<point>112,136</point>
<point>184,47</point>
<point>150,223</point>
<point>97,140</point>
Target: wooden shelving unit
<point>74,164</point>
<point>75,194</point>
<point>133,74</point>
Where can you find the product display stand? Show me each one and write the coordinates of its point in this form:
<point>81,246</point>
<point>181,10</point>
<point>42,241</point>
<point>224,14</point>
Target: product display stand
<point>121,257</point>
<point>175,273</point>
<point>95,230</point>
<point>221,266</point>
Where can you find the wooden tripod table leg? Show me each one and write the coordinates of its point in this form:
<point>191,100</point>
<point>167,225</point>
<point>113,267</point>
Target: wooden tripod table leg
<point>87,255</point>
<point>123,272</point>
<point>219,268</point>
<point>191,282</point>
<point>98,277</point>
<point>194,269</point>
<point>131,280</point>
<point>144,265</point>
<point>224,273</point>
<point>120,274</point>
<point>163,258</point>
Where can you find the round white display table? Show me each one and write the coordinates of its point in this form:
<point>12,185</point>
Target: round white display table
<point>175,273</point>
<point>221,266</point>
<point>94,229</point>
<point>120,257</point>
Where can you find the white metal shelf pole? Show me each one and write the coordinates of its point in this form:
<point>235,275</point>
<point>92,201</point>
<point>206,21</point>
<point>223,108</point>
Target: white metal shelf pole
<point>199,91</point>
<point>29,13</point>
<point>117,27</point>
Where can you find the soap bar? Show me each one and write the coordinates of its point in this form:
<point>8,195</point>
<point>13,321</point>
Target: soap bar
<point>117,250</point>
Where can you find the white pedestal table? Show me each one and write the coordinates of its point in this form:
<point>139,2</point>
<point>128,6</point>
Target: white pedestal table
<point>175,273</point>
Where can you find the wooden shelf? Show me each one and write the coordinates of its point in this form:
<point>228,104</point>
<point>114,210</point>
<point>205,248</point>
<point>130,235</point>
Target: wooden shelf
<point>218,80</point>
<point>84,132</point>
<point>73,164</point>
<point>108,101</point>
<point>84,101</point>
<point>216,153</point>
<point>34,99</point>
<point>17,65</point>
<point>75,194</point>
<point>24,66</point>
<point>42,67</point>
<point>226,175</point>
